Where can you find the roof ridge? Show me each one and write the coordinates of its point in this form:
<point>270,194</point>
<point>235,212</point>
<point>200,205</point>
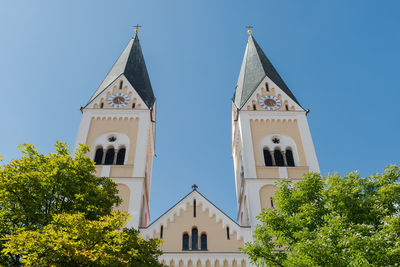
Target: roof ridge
<point>182,199</point>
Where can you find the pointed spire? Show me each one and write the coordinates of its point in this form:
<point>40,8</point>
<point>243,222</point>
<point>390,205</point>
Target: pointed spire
<point>255,67</point>
<point>131,64</point>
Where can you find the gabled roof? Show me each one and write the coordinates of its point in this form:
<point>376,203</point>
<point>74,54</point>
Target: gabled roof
<point>255,67</point>
<point>132,65</point>
<point>168,216</point>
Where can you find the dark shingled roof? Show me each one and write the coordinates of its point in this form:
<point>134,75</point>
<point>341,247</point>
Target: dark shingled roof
<point>254,68</point>
<point>131,64</point>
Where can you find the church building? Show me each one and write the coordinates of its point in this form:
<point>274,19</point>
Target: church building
<point>271,140</point>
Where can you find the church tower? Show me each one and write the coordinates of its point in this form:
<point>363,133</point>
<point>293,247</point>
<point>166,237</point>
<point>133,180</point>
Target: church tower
<point>118,123</point>
<point>271,139</point>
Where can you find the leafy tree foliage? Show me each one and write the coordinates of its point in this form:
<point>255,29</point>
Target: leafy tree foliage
<point>35,187</point>
<point>331,221</point>
<point>73,240</point>
<point>56,200</point>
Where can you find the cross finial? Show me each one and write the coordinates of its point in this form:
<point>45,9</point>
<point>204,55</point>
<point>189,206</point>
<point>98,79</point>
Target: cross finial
<point>137,26</point>
<point>194,187</point>
<point>249,29</point>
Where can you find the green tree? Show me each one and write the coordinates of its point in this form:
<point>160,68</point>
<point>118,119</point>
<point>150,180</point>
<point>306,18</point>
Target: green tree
<point>72,240</point>
<point>331,221</point>
<point>37,192</point>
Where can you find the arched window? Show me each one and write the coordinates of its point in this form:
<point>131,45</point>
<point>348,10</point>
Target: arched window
<point>194,207</point>
<point>121,83</point>
<point>121,156</point>
<point>289,158</point>
<point>161,231</point>
<point>254,107</point>
<point>98,156</point>
<point>195,239</point>
<point>101,105</point>
<point>278,158</point>
<point>109,157</point>
<point>227,233</point>
<point>267,87</point>
<point>185,241</point>
<point>267,157</point>
<point>203,241</point>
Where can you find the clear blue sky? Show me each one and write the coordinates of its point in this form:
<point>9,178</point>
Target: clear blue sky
<point>340,59</point>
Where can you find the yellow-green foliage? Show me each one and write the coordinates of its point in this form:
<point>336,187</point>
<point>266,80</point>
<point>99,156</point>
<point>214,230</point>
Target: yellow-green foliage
<point>71,239</point>
<point>55,211</point>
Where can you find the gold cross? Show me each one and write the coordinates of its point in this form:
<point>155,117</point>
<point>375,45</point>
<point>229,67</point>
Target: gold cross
<point>250,29</point>
<point>137,26</point>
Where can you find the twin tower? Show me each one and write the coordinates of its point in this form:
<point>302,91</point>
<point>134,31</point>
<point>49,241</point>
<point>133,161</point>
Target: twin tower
<point>271,140</point>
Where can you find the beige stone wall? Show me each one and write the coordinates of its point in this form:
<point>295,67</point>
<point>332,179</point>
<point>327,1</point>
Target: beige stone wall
<point>273,92</point>
<point>266,192</point>
<point>267,172</point>
<point>245,220</point>
<point>125,89</point>
<point>216,235</point>
<point>297,172</point>
<point>121,171</point>
<point>98,168</point>
<point>129,127</point>
<point>206,263</point>
<point>150,154</point>
<point>124,193</point>
<point>261,128</point>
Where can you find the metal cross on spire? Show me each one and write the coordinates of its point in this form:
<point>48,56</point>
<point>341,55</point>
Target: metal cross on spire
<point>137,26</point>
<point>249,29</point>
<point>194,187</point>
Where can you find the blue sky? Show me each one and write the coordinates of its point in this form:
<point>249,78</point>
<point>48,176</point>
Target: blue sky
<point>339,58</point>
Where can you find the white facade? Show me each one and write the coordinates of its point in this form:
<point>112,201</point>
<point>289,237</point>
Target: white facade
<point>257,131</point>
<point>138,180</point>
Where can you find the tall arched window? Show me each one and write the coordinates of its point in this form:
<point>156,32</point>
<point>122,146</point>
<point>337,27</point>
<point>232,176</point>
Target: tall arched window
<point>109,157</point>
<point>98,156</point>
<point>289,158</point>
<point>267,157</point>
<point>185,241</point>
<point>227,233</point>
<point>121,156</point>
<point>195,239</point>
<point>278,158</point>
<point>194,207</point>
<point>203,241</point>
<point>121,83</point>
